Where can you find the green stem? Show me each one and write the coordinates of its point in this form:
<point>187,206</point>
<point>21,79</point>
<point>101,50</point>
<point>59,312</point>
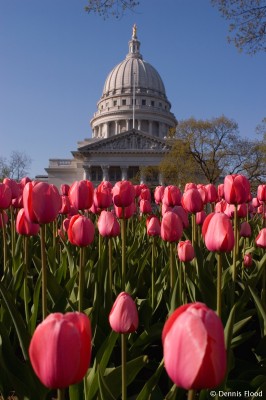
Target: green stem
<point>4,239</point>
<point>219,284</point>
<point>81,278</point>
<point>235,246</point>
<point>191,394</point>
<point>194,230</point>
<point>60,394</point>
<point>12,231</point>
<point>171,261</point>
<point>152,272</point>
<point>123,237</point>
<point>25,283</point>
<point>110,254</point>
<point>124,365</point>
<point>44,273</point>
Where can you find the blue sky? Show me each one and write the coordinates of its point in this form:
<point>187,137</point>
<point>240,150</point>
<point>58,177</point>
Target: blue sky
<point>55,59</point>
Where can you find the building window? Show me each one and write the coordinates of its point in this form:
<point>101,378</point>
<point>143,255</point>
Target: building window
<point>160,104</point>
<point>143,102</point>
<point>115,103</point>
<point>152,103</point>
<point>107,104</point>
<point>124,102</point>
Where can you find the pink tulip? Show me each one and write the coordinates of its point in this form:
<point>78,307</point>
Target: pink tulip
<point>145,194</point>
<point>190,185</point>
<point>158,194</point>
<point>145,206</point>
<point>192,201</point>
<point>60,349</point>
<point>24,181</point>
<point>42,202</point>
<point>255,202</point>
<point>245,229</point>
<point>108,225</point>
<point>212,193</point>
<point>183,215</point>
<point>236,189</point>
<point>203,193</point>
<point>80,231</point>
<point>153,226</point>
<point>172,196</point>
<point>64,189</point>
<point>125,212</point>
<point>220,206</point>
<point>194,348</point>
<point>5,196</point>
<point>65,206</point>
<point>261,193</point>
<point>200,217</point>
<point>123,193</point>
<point>123,317</point>
<point>261,239</point>
<point>14,186</point>
<point>218,233</point>
<point>81,194</point>
<point>171,227</point>
<point>102,197</point>
<point>25,226</point>
<point>247,260</point>
<point>185,251</point>
<point>220,191</point>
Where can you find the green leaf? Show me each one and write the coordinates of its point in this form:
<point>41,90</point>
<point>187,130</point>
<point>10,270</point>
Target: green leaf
<point>149,386</point>
<point>260,308</point>
<point>104,390</point>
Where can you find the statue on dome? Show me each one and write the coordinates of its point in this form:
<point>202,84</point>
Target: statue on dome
<point>134,31</point>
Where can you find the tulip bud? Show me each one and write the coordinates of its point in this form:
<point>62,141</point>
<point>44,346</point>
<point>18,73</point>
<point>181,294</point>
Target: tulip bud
<point>245,229</point>
<point>123,316</point>
<point>81,194</point>
<point>153,226</point>
<point>185,251</point>
<point>108,225</point>
<point>171,227</point>
<point>192,201</point>
<point>80,231</point>
<point>123,193</point>
<point>236,189</point>
<point>194,348</point>
<point>24,226</point>
<point>172,196</point>
<point>261,239</point>
<point>217,232</point>
<point>247,260</point>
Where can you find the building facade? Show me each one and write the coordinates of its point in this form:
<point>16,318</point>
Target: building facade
<point>129,128</point>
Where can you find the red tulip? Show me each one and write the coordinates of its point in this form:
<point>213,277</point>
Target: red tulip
<point>145,194</point>
<point>200,217</point>
<point>5,196</point>
<point>123,317</point>
<point>192,201</point>
<point>60,349</point>
<point>81,194</point>
<point>218,232</point>
<point>125,212</point>
<point>153,226</point>
<point>25,226</point>
<point>80,231</point>
<point>14,186</point>
<point>65,206</point>
<point>108,225</point>
<point>261,239</point>
<point>261,193</point>
<point>245,229</point>
<point>138,189</point>
<point>247,260</point>
<point>64,189</point>
<point>190,185</point>
<point>102,197</point>
<point>185,251</point>
<point>41,201</point>
<point>24,181</point>
<point>62,231</point>
<point>212,193</point>
<point>158,194</point>
<point>236,189</point>
<point>183,215</point>
<point>171,227</point>
<point>220,206</point>
<point>220,191</point>
<point>193,347</point>
<point>172,196</point>
<point>255,202</point>
<point>145,206</point>
<point>203,193</point>
<point>3,219</point>
<point>123,193</point>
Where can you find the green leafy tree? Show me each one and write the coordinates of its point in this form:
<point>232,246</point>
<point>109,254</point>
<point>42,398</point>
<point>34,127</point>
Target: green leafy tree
<point>247,23</point>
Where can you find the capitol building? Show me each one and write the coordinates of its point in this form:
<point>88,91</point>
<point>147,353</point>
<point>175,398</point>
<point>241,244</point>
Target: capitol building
<point>129,128</point>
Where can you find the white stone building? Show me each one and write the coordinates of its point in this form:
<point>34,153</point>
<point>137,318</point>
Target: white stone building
<point>129,127</point>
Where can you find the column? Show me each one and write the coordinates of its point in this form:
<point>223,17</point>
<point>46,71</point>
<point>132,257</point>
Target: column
<point>87,172</point>
<point>124,172</point>
<point>116,127</point>
<point>105,169</point>
<point>161,179</point>
<point>150,127</point>
<point>139,124</point>
<point>142,176</point>
<point>127,124</point>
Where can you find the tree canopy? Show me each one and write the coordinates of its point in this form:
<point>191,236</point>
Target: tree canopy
<point>16,167</point>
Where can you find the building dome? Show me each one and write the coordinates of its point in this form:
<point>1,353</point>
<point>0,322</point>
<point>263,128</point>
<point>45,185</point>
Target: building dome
<point>133,97</point>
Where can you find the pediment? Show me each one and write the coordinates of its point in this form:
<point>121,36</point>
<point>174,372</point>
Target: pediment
<point>131,141</point>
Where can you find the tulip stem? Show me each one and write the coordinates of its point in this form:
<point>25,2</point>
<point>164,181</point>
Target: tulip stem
<point>44,273</point>
<point>12,231</point>
<point>191,394</point>
<point>124,365</point>
<point>81,278</point>
<point>219,285</point>
<point>235,245</point>
<point>172,244</point>
<point>152,272</point>
<point>194,229</point>
<point>60,394</point>
<point>4,239</point>
<point>110,253</point>
<point>123,237</point>
<point>25,284</point>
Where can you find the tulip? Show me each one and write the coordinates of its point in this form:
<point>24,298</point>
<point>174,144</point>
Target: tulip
<point>194,348</point>
<point>5,196</point>
<point>245,229</point>
<point>172,196</point>
<point>247,260</point>
<point>65,206</point>
<point>236,189</point>
<point>25,226</point>
<point>102,197</point>
<point>60,349</point>
<point>80,231</point>
<point>261,239</point>
<point>171,227</point>
<point>24,181</point>
<point>3,219</point>
<point>255,202</point>
<point>145,206</point>
<point>145,194</point>
<point>192,201</point>
<point>218,233</point>
<point>261,193</point>
<point>64,189</point>
<point>14,186</point>
<point>190,185</point>
<point>220,191</point>
<point>42,202</point>
<point>62,231</point>
<point>125,212</point>
<point>183,215</point>
<point>158,194</point>
<point>203,193</point>
<point>123,193</point>
<point>81,194</point>
<point>185,251</point>
<point>200,217</point>
<point>153,226</point>
<point>212,193</point>
<point>108,225</point>
<point>123,317</point>
<point>220,206</point>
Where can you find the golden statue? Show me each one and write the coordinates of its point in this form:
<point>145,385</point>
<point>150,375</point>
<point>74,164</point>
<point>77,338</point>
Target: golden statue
<point>134,31</point>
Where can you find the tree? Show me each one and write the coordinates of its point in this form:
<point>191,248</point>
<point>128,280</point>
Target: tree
<point>206,150</point>
<point>248,23</point>
<point>115,8</point>
<point>16,167</point>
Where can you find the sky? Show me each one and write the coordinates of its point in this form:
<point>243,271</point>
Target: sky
<point>54,59</point>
